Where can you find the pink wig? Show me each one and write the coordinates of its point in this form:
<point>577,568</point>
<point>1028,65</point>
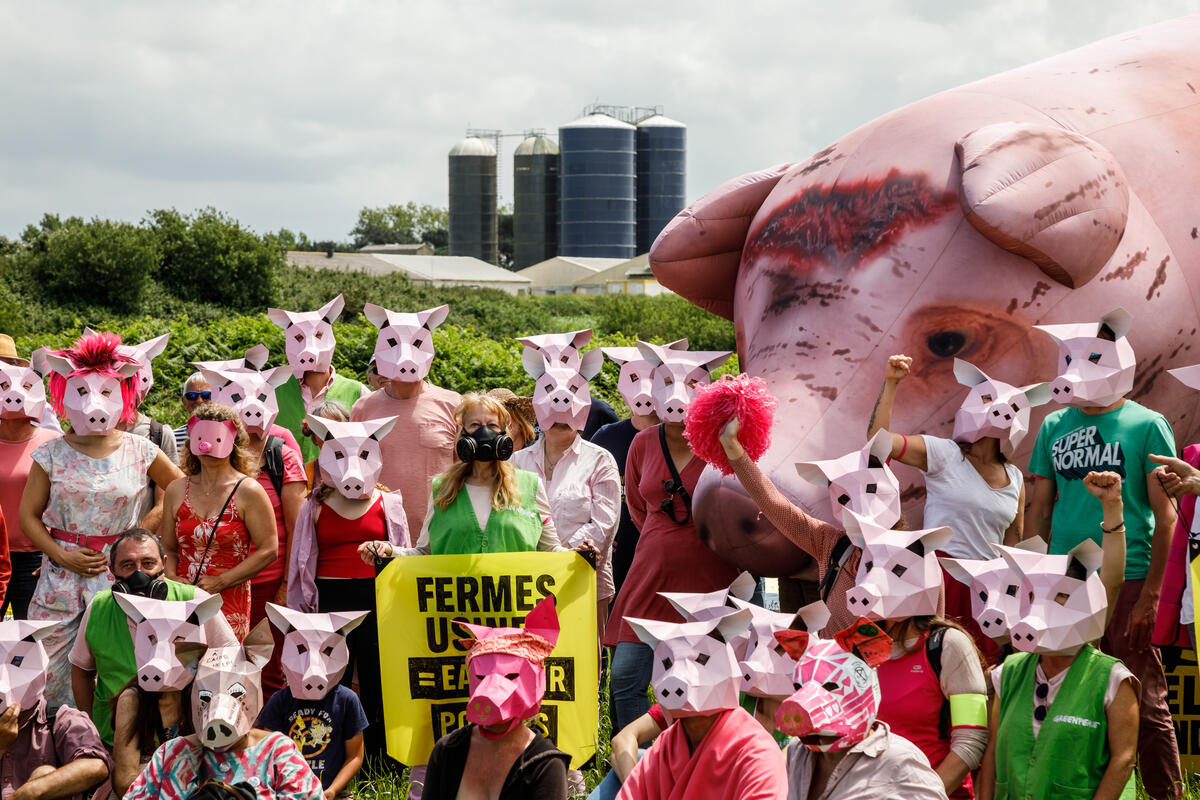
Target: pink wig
<point>746,398</point>
<point>96,353</point>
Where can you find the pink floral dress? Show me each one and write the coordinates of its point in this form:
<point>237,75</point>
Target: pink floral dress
<point>230,547</point>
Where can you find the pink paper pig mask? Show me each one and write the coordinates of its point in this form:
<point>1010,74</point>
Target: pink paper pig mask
<point>995,588</point>
<point>506,672</point>
<point>250,393</point>
<point>860,481</point>
<point>315,654</point>
<point>1093,371</point>
<point>90,384</point>
<point>1063,602</point>
<point>994,408</point>
<point>22,392</point>
<point>144,354</point>
<point>767,668</point>
<point>560,394</point>
<point>308,336</point>
<point>210,437</point>
<point>350,457</point>
<point>23,662</point>
<point>404,346</point>
<point>159,625</point>
<point>695,666</point>
<point>636,379</point>
<point>253,360</point>
<point>227,691</point>
<point>560,349</point>
<point>700,606</point>
<point>677,373</point>
<point>898,574</point>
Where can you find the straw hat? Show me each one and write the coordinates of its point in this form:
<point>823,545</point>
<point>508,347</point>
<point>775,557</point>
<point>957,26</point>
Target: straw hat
<point>516,404</point>
<point>8,351</point>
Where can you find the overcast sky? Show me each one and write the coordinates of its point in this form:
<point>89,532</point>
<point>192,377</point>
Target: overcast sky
<point>297,114</point>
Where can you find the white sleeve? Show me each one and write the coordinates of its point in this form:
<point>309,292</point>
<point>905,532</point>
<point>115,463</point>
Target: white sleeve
<point>938,451</point>
<point>422,548</point>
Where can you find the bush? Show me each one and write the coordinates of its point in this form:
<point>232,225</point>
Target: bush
<point>102,262</point>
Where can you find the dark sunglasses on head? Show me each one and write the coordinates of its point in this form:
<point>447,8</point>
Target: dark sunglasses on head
<point>192,397</point>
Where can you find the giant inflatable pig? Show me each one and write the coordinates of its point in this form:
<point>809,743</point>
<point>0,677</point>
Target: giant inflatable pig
<point>1050,194</point>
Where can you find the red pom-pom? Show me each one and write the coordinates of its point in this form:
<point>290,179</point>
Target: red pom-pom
<point>714,405</point>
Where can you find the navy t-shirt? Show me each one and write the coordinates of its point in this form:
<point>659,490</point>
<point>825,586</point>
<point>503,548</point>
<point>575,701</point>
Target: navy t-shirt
<point>319,728</point>
<point>616,438</point>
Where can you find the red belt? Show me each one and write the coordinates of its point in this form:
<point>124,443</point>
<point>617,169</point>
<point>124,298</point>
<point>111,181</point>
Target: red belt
<point>83,539</point>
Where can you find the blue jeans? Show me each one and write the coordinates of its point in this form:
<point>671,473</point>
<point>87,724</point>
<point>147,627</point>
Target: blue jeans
<point>632,666</point>
<point>608,788</point>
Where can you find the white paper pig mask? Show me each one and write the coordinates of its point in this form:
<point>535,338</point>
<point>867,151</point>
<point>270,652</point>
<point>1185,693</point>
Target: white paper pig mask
<point>560,394</point>
<point>560,349</point>
<point>227,690</point>
<point>700,606</point>
<point>144,354</point>
<point>250,393</point>
<point>90,384</point>
<point>404,346</point>
<point>695,667</point>
<point>994,408</point>
<point>252,361</point>
<point>350,457</point>
<point>636,379</point>
<point>159,625</point>
<point>315,654</point>
<point>995,588</point>
<point>861,481</point>
<point>1063,601</point>
<point>766,666</point>
<point>677,373</point>
<point>898,574</point>
<point>1093,371</point>
<point>22,392</point>
<point>23,662</point>
<point>308,336</point>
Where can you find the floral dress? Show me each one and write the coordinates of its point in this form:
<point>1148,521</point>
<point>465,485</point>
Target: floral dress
<point>91,496</point>
<point>230,547</point>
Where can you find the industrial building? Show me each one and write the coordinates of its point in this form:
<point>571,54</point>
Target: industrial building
<point>433,271</point>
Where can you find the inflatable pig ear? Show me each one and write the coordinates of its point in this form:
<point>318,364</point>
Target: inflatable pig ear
<point>1093,370</point>
<point>860,481</point>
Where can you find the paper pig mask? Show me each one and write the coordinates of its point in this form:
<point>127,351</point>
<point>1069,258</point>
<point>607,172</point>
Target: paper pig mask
<point>995,588</point>
<point>144,354</point>
<point>699,606</point>
<point>994,408</point>
<point>308,336</point>
<point>95,401</point>
<point>350,457</point>
<point>636,380</point>
<point>837,690</point>
<point>861,481</point>
<point>1092,371</point>
<point>22,392</point>
<point>210,437</point>
<point>254,359</point>
<point>1063,601</point>
<point>765,665</point>
<point>23,662</point>
<point>159,625</point>
<point>227,691</point>
<point>560,349</point>
<point>314,653</point>
<point>560,394</point>
<point>898,574</point>
<point>404,346</point>
<point>695,667</point>
<point>250,393</point>
<point>505,669</point>
<point>677,373</point>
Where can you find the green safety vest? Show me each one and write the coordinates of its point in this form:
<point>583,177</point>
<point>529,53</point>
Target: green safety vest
<point>108,638</point>
<point>291,407</point>
<point>514,529</point>
<point>1070,754</point>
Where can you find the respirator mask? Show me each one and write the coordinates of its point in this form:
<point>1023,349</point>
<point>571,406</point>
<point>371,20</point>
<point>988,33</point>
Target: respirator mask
<point>143,585</point>
<point>484,444</point>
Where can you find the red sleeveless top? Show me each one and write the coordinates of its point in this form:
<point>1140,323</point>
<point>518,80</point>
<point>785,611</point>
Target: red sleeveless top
<point>338,539</point>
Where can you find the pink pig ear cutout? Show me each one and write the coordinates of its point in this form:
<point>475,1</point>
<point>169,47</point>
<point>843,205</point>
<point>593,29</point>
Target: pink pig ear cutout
<point>30,630</point>
<point>328,312</point>
<point>59,364</point>
<point>1037,394</point>
<point>140,609</point>
<point>965,570</point>
<point>257,356</point>
<point>1022,188</point>
<point>817,472</point>
<point>812,618</point>
<point>620,355</point>
<point>259,643</point>
<point>591,364</point>
<point>433,317</point>
<point>968,374</point>
<point>1087,554</point>
<point>731,625</point>
<point>38,363</point>
<point>377,428</point>
<point>709,605</point>
<point>376,315</point>
<point>190,653</point>
<point>1118,320</point>
<point>287,620</point>
<point>1188,376</point>
<point>152,348</point>
<point>543,620</point>
<point>317,425</point>
<point>576,339</point>
<point>861,531</point>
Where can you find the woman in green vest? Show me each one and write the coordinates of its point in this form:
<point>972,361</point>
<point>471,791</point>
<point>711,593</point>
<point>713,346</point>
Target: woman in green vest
<point>1064,723</point>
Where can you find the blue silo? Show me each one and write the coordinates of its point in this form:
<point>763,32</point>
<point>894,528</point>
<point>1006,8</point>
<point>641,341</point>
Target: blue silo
<point>661,176</point>
<point>597,179</point>
<point>473,219</point>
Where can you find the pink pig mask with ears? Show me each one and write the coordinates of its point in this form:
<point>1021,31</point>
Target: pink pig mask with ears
<point>994,408</point>
<point>636,380</point>
<point>250,393</point>
<point>767,667</point>
<point>560,349</point>
<point>308,336</point>
<point>695,667</point>
<point>22,392</point>
<point>404,346</point>
<point>560,394</point>
<point>505,669</point>
<point>253,360</point>
<point>1063,601</point>
<point>95,401</point>
<point>159,625</point>
<point>144,354</point>
<point>314,654</point>
<point>211,437</point>
<point>23,662</point>
<point>700,606</point>
<point>898,574</point>
<point>1092,371</point>
<point>350,457</point>
<point>860,481</point>
<point>227,691</point>
<point>677,373</point>
<point>995,588</point>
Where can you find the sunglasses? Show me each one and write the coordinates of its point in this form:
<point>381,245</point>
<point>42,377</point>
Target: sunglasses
<point>192,397</point>
<point>667,506</point>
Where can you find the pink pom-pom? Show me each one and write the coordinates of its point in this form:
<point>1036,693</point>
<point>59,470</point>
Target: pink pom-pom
<point>714,405</point>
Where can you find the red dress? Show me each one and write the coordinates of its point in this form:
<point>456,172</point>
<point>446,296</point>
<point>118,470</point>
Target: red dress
<point>230,547</point>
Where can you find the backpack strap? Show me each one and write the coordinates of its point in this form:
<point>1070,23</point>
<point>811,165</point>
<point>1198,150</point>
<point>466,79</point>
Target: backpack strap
<point>933,652</point>
<point>273,462</point>
<point>156,436</point>
<point>837,559</point>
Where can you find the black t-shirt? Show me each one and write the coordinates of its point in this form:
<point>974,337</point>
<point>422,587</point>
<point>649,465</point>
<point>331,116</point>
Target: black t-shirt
<point>600,415</point>
<point>540,773</point>
<point>616,439</point>
<point>320,728</point>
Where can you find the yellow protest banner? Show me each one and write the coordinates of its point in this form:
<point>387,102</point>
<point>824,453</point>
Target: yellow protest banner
<point>425,686</point>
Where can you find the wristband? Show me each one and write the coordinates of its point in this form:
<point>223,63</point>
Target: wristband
<point>968,710</point>
<point>1119,526</point>
<point>903,449</point>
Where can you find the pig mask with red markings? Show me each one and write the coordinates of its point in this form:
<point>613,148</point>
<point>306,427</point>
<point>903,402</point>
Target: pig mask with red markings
<point>159,625</point>
<point>766,666</point>
<point>695,667</point>
<point>404,346</point>
<point>995,588</point>
<point>1063,602</point>
<point>250,393</point>
<point>506,669</point>
<point>227,691</point>
<point>315,654</point>
<point>560,393</point>
<point>860,481</point>
<point>636,379</point>
<point>677,373</point>
<point>23,662</point>
<point>836,694</point>
<point>1093,371</point>
<point>898,574</point>
<point>994,408</point>
<point>308,336</point>
<point>22,392</point>
<point>350,457</point>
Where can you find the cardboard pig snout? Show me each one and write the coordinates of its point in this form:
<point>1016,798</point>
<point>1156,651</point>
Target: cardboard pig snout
<point>315,654</point>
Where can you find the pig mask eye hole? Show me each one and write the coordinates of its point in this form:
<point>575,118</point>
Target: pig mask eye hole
<point>1061,598</point>
<point>512,676</point>
<point>301,649</point>
<point>899,570</point>
<point>237,691</point>
<point>831,686</point>
<point>205,696</point>
<point>16,660</point>
<point>843,499</point>
<point>1094,358</point>
<point>327,650</point>
<point>985,398</point>
<point>666,662</point>
<point>702,659</point>
<point>1067,358</point>
<point>983,595</point>
<point>870,565</point>
<point>871,487</point>
<point>1016,407</point>
<point>1011,591</point>
<point>633,376</point>
<point>391,342</point>
<point>418,342</point>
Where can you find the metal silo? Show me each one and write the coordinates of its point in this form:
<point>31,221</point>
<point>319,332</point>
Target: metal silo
<point>661,176</point>
<point>473,229</point>
<point>597,192</point>
<point>535,201</point>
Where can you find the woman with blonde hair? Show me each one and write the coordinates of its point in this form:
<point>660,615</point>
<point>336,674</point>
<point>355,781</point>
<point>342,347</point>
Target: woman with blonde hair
<point>213,514</point>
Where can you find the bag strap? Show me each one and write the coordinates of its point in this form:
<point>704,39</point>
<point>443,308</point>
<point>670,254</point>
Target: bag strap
<point>933,652</point>
<point>213,532</point>
<point>837,558</point>
<point>156,436</point>
<point>273,461</point>
<point>678,481</point>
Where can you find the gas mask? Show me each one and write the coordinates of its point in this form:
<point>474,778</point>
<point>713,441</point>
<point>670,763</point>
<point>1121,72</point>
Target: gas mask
<point>143,585</point>
<point>485,445</point>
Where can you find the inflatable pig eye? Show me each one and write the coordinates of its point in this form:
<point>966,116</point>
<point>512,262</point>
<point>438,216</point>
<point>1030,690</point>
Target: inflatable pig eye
<point>947,344</point>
